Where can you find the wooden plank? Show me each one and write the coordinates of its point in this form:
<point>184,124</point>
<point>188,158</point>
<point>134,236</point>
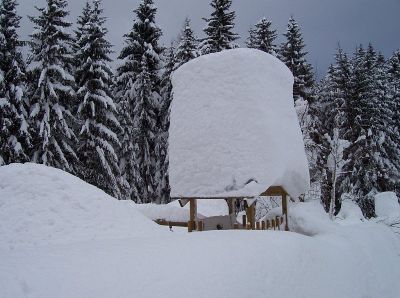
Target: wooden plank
<point>236,226</point>
<point>268,224</point>
<point>258,227</point>
<point>278,222</point>
<point>244,221</point>
<point>211,198</point>
<point>200,226</point>
<point>263,226</point>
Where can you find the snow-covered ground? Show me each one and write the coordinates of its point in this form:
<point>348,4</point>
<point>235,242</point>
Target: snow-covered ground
<point>60,237</point>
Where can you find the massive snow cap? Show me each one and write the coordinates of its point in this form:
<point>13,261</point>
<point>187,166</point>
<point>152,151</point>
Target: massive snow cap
<point>234,130</point>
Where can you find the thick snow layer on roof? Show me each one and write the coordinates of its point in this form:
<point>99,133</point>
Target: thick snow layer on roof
<point>40,205</point>
<point>234,130</point>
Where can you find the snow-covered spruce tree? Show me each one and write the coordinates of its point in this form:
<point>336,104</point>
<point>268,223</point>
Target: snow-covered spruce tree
<point>82,22</point>
<point>15,138</point>
<point>262,37</point>
<point>163,188</point>
<point>52,88</point>
<point>394,90</point>
<point>219,29</point>
<point>292,53</point>
<point>98,137</point>
<point>372,155</point>
<point>187,46</point>
<point>138,91</point>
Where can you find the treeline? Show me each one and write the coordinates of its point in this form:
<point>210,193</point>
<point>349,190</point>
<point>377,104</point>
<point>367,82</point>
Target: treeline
<point>66,107</point>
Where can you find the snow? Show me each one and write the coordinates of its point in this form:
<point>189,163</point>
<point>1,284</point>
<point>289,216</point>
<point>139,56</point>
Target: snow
<point>387,205</point>
<point>174,212</point>
<point>92,245</point>
<point>40,206</point>
<point>309,219</point>
<point>234,130</point>
<point>350,212</point>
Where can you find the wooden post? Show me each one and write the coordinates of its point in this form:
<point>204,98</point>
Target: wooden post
<point>236,226</point>
<point>192,215</point>
<point>263,225</point>
<point>273,223</point>
<point>244,221</point>
<point>248,226</point>
<point>268,225</point>
<point>251,216</point>
<point>257,225</point>
<point>285,210</point>
<point>231,206</point>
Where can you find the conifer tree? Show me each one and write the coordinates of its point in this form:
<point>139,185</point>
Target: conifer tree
<point>394,95</point>
<point>98,137</point>
<point>52,89</point>
<point>164,121</point>
<point>219,29</point>
<point>138,91</point>
<point>82,22</point>
<point>372,155</point>
<point>292,53</point>
<point>330,110</point>
<point>15,140</point>
<point>262,37</point>
<point>187,46</point>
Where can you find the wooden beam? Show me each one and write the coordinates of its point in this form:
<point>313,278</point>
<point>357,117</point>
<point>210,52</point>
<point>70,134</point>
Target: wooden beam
<point>163,222</point>
<point>274,191</point>
<point>244,221</point>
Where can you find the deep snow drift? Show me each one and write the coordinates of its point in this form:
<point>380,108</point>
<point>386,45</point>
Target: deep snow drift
<point>92,245</point>
<point>40,205</point>
<point>234,130</point>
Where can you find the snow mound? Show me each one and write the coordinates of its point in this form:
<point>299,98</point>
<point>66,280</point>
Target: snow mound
<point>167,212</point>
<point>40,205</point>
<point>234,130</point>
<point>208,207</point>
<point>387,205</point>
<point>309,219</point>
<point>174,212</point>
<point>350,212</point>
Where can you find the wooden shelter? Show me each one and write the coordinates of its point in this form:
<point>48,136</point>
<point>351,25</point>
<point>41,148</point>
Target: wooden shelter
<point>234,135</point>
<point>248,220</point>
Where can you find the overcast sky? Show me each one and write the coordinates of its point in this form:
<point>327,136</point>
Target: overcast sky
<point>325,23</point>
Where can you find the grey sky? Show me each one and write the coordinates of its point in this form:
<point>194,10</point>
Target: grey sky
<point>325,23</point>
